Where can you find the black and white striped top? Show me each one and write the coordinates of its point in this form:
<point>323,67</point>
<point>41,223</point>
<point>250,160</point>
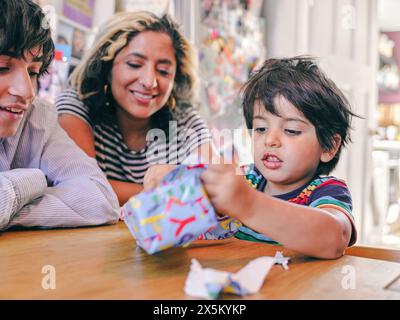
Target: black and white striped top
<point>114,157</point>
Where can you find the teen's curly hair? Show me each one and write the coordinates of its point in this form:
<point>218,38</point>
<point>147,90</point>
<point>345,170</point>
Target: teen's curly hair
<point>23,27</point>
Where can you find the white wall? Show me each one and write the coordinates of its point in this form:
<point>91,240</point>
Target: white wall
<point>343,35</point>
<point>104,9</point>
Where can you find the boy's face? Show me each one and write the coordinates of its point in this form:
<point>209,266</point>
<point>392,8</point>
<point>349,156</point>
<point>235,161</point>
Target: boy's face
<point>18,79</point>
<point>285,148</point>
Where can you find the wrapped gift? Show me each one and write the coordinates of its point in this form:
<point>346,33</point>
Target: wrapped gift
<point>226,226</point>
<point>175,213</point>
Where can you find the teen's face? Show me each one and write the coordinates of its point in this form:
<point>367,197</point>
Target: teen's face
<point>285,148</point>
<point>18,79</point>
<point>143,74</point>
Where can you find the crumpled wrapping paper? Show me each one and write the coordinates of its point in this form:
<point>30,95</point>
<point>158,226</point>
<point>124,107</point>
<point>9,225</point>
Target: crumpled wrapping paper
<point>209,283</point>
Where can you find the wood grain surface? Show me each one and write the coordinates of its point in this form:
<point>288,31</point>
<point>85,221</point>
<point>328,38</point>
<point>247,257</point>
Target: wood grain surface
<point>104,263</point>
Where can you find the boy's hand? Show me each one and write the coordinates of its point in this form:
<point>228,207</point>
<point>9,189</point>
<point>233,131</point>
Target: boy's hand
<point>228,191</point>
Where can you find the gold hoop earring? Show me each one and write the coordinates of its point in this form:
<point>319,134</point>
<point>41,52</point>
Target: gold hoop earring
<point>107,95</point>
<point>171,102</point>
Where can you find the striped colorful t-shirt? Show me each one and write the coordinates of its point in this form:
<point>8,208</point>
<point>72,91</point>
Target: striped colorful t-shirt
<point>320,192</point>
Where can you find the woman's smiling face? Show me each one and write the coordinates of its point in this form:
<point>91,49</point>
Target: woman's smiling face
<point>143,75</point>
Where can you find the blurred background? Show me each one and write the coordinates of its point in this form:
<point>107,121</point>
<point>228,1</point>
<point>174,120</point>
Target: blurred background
<point>357,43</point>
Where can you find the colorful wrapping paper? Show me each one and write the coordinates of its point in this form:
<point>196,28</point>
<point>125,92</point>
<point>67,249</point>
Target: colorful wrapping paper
<point>225,228</point>
<point>176,213</point>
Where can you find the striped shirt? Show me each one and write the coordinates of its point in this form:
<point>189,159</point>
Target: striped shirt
<point>320,192</point>
<point>47,181</point>
<point>115,158</point>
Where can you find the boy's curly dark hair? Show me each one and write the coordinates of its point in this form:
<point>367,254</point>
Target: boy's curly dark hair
<point>303,84</point>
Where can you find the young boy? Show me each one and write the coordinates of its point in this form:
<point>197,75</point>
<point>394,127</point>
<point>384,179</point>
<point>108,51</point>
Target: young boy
<point>45,179</point>
<point>300,122</point>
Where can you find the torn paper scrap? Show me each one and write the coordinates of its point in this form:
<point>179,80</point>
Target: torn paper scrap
<point>205,283</point>
<point>209,283</point>
<point>252,276</point>
<point>280,259</point>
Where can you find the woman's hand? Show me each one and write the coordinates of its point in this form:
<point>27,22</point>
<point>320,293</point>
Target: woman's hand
<point>228,190</point>
<point>155,174</point>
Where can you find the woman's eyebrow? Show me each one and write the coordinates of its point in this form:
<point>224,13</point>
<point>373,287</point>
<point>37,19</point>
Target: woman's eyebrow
<point>138,55</point>
<point>142,56</point>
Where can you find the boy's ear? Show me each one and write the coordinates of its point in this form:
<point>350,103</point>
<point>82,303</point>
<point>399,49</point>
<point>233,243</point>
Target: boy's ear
<point>328,155</point>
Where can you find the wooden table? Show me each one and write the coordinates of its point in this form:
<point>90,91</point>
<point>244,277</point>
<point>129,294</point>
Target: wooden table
<point>104,263</point>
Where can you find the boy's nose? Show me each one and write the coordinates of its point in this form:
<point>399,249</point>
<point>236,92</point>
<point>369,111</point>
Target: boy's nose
<point>272,139</point>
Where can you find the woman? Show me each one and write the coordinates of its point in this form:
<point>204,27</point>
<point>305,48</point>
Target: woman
<point>130,105</point>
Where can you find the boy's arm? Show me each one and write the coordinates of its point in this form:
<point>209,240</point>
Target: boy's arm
<point>322,233</point>
<point>17,188</point>
<point>79,194</point>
